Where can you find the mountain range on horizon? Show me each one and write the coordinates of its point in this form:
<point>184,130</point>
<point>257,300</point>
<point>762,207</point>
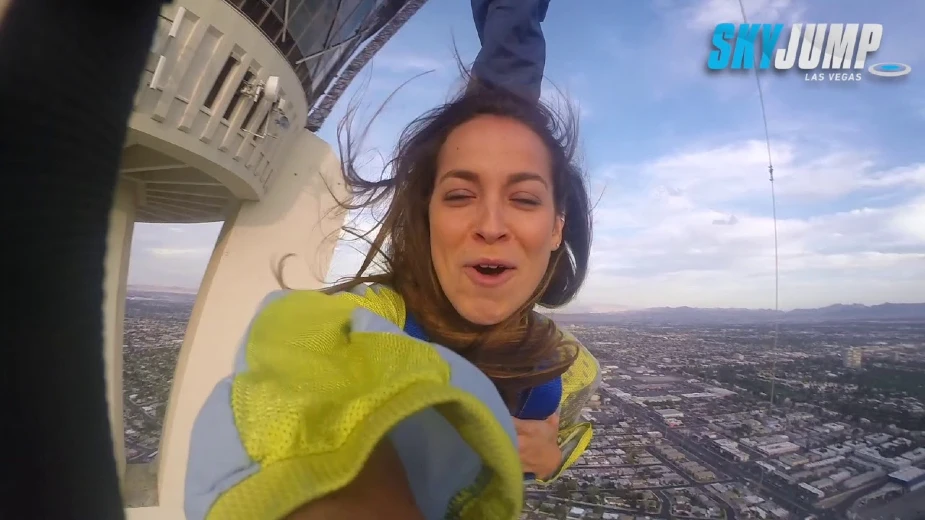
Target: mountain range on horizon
<point>162,289</point>
<point>914,312</point>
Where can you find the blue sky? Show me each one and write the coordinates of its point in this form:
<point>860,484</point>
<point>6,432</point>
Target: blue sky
<point>678,158</point>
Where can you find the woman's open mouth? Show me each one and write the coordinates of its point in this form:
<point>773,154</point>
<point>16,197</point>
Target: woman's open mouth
<point>489,274</point>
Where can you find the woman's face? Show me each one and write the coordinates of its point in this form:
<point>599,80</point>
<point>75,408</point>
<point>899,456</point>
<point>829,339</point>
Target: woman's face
<point>493,223</point>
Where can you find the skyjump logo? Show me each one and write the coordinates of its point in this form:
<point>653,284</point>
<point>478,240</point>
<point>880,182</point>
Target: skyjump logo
<point>844,51</point>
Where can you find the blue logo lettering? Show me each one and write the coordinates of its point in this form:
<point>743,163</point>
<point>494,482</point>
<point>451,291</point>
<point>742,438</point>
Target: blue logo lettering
<point>719,59</point>
<point>743,56</point>
<point>769,36</point>
<point>737,47</point>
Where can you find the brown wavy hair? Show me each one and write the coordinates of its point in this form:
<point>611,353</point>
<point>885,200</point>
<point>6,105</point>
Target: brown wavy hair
<point>526,349</point>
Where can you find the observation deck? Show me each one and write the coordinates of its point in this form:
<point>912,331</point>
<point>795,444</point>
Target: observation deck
<point>227,89</point>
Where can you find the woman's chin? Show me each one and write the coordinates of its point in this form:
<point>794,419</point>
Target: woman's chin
<point>479,313</point>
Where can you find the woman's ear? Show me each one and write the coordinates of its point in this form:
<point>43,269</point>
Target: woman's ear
<point>557,232</point>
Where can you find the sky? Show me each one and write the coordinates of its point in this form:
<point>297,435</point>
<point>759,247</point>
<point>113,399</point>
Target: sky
<point>677,156</point>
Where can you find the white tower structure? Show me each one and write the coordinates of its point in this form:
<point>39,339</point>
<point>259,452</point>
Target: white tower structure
<point>222,130</point>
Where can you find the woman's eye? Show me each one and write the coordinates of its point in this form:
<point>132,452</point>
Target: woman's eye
<point>526,201</point>
<point>456,196</point>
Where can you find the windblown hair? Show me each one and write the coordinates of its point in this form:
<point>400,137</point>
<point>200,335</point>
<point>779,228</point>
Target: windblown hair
<point>526,349</point>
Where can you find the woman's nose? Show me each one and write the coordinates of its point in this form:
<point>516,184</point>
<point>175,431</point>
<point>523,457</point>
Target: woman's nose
<point>492,223</point>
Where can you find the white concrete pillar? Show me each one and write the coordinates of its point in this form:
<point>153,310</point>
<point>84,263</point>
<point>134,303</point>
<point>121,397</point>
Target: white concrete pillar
<point>294,216</point>
<point>118,247</point>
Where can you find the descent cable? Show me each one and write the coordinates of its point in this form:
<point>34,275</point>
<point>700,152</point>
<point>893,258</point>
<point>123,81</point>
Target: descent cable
<point>776,330</point>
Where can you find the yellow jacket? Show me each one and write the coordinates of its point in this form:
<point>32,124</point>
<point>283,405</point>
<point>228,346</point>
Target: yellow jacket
<point>320,380</point>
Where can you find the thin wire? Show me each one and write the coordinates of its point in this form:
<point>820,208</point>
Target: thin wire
<point>767,137</point>
<point>285,21</point>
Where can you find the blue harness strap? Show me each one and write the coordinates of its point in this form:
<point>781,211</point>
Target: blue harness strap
<point>536,403</point>
<point>413,328</point>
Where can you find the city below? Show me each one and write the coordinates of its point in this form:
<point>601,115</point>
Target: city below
<point>701,414</point>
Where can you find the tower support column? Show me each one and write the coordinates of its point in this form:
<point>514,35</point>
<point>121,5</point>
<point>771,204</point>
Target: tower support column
<point>297,215</point>
<point>118,248</point>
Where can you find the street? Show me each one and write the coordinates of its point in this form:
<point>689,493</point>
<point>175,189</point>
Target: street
<point>709,458</point>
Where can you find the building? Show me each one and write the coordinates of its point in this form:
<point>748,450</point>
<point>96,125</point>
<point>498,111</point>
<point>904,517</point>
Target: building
<point>863,479</point>
<point>910,478</point>
<point>915,456</point>
<point>854,357</point>
<point>890,463</point>
<point>811,491</point>
<point>778,448</point>
<point>222,131</point>
<point>823,463</point>
<point>670,413</point>
<point>730,449</point>
<point>876,439</point>
<point>792,460</point>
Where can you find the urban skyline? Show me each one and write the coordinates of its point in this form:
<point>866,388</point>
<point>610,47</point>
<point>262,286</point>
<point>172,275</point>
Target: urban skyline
<point>603,311</point>
<point>684,421</point>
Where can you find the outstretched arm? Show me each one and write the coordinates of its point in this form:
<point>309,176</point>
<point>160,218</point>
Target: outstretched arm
<point>513,54</point>
<point>333,412</point>
<point>579,384</point>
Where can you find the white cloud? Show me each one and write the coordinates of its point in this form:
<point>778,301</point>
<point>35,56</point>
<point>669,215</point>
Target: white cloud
<point>699,232</point>
<point>910,220</point>
<point>411,62</point>
<point>168,252</point>
<point>679,45</point>
<point>737,170</point>
<point>706,15</point>
<point>171,255</point>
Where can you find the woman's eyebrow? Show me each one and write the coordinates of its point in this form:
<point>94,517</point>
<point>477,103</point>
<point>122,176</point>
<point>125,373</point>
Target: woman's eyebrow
<point>514,178</point>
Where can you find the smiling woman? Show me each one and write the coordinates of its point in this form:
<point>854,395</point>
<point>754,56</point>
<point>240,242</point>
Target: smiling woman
<point>493,220</point>
<point>427,383</point>
<point>484,195</point>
